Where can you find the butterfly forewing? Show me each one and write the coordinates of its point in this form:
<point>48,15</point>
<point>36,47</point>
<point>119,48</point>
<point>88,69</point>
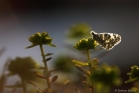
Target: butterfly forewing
<point>106,40</point>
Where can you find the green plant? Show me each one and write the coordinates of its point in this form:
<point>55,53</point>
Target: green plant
<point>134,78</point>
<point>78,30</point>
<point>23,67</point>
<point>43,39</point>
<point>98,78</point>
<point>134,74</point>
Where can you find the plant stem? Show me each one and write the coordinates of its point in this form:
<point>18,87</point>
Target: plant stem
<point>23,85</point>
<point>46,70</point>
<point>89,62</point>
<point>90,67</point>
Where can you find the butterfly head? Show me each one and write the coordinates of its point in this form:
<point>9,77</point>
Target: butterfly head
<point>93,33</point>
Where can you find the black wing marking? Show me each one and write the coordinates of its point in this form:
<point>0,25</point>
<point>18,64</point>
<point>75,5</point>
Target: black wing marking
<point>106,40</point>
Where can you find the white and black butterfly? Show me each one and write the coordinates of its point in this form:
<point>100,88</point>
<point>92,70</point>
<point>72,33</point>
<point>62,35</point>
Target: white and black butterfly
<point>106,40</point>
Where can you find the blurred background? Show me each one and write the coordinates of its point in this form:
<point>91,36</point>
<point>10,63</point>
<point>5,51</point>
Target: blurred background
<point>20,19</point>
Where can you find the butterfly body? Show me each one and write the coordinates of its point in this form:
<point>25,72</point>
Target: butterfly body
<point>106,40</point>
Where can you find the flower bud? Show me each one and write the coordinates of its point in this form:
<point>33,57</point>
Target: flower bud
<point>86,44</point>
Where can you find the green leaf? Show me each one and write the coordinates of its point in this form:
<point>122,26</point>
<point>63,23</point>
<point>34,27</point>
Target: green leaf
<point>82,70</point>
<point>131,80</point>
<point>48,54</point>
<point>47,59</point>
<point>79,63</point>
<point>33,45</point>
<point>94,61</point>
<point>52,45</point>
<point>39,75</point>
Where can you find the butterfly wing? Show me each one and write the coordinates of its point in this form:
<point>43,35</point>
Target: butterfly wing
<point>106,40</point>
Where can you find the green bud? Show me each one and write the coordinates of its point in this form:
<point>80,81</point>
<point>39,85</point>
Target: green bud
<point>44,34</point>
<point>31,38</point>
<point>48,40</point>
<point>85,44</point>
<point>37,34</point>
<point>134,74</point>
<point>40,38</point>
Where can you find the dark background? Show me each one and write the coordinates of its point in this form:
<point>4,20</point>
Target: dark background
<point>20,19</point>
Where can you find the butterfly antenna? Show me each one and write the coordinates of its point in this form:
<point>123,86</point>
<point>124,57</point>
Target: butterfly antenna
<point>90,27</point>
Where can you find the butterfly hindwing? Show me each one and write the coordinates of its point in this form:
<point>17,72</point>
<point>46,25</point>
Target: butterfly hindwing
<point>106,40</point>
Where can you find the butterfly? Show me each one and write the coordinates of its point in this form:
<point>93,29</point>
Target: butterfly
<point>106,40</point>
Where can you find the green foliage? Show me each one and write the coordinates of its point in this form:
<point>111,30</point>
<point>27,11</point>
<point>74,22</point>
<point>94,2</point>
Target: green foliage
<point>48,54</point>
<point>134,74</point>
<point>86,44</point>
<point>135,89</point>
<point>43,39</point>
<point>67,66</point>
<point>106,75</point>
<point>87,72</point>
<point>23,67</point>
<point>80,63</point>
<point>39,39</point>
<point>98,78</point>
<point>79,30</point>
<point>94,63</point>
